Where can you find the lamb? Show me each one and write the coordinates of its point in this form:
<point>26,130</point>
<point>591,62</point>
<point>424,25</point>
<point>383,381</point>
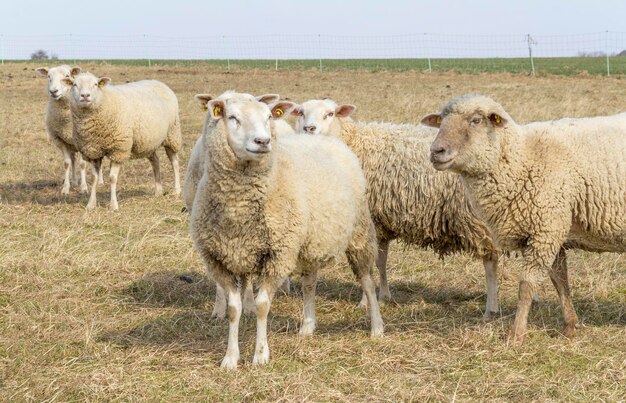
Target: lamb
<point>408,199</point>
<point>542,187</point>
<point>124,121</point>
<point>269,205</point>
<point>59,123</point>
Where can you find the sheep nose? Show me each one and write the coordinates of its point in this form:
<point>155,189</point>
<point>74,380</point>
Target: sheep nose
<point>437,149</point>
<point>262,141</point>
<point>54,92</point>
<point>310,128</point>
<point>86,96</point>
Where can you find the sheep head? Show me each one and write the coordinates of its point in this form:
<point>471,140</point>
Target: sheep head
<point>86,89</point>
<point>319,116</point>
<point>57,88</point>
<point>470,132</point>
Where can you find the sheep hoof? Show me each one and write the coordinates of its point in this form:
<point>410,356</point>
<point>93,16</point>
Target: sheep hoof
<point>488,316</point>
<point>569,331</point>
<point>100,181</point>
<point>83,189</point>
<point>114,207</point>
<point>158,191</point>
<point>261,357</point>
<point>229,362</point>
<point>65,190</point>
<point>376,332</point>
<point>249,310</point>
<point>516,339</point>
<point>384,295</point>
<point>307,329</point>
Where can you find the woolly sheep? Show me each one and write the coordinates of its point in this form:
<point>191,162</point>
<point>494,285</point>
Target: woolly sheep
<point>269,205</point>
<point>195,169</point>
<point>542,187</point>
<point>124,121</point>
<point>59,123</point>
<point>408,199</point>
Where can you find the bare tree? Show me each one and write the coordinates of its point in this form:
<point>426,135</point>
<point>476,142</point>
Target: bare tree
<point>39,55</point>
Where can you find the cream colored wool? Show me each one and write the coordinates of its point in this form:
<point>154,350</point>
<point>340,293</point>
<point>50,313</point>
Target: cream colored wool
<point>126,121</point>
<point>408,199</point>
<point>299,208</point>
<point>540,187</point>
<point>59,123</point>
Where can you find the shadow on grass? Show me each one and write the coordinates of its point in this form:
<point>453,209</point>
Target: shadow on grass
<point>46,193</point>
<point>416,308</point>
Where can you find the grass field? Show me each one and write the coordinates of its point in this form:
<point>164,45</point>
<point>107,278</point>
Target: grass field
<point>544,66</point>
<point>92,306</point>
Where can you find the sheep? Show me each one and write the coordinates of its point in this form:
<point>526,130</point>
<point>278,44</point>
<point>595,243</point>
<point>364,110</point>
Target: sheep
<point>269,205</point>
<point>59,123</point>
<point>408,199</point>
<point>124,121</point>
<point>195,169</point>
<point>542,188</point>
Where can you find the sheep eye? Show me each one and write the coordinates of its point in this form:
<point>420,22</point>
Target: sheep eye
<point>329,115</point>
<point>233,118</point>
<point>477,121</point>
<point>301,113</point>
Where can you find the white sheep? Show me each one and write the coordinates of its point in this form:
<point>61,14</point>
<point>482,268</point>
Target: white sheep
<point>542,187</point>
<point>124,121</point>
<point>59,123</point>
<point>269,205</point>
<point>409,200</point>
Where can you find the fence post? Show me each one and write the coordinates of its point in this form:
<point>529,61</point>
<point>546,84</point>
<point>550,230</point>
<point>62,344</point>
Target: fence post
<point>530,53</point>
<point>2,49</point>
<point>145,44</point>
<point>319,45</point>
<point>227,53</point>
<point>606,45</point>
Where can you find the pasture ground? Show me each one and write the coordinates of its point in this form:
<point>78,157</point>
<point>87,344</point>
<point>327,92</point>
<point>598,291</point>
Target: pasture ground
<point>92,306</point>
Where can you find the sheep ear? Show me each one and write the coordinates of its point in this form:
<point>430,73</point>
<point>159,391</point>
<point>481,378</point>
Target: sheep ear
<point>343,111</point>
<point>203,100</point>
<point>497,120</point>
<point>432,120</point>
<point>296,110</point>
<point>216,108</point>
<point>68,81</point>
<point>75,71</point>
<point>103,81</point>
<point>42,71</point>
<point>282,108</point>
<point>268,98</point>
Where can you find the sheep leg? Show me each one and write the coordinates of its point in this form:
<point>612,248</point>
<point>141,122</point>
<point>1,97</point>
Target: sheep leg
<point>113,174</point>
<point>361,261</point>
<point>73,157</point>
<point>286,286</point>
<point>559,278</point>
<point>309,284</point>
<point>82,164</point>
<point>234,314</point>
<point>491,276</point>
<point>381,263</point>
<point>154,161</point>
<point>95,168</point>
<point>67,164</point>
<point>248,296</point>
<point>101,175</point>
<point>219,308</point>
<point>173,157</point>
<point>525,297</point>
<point>263,302</point>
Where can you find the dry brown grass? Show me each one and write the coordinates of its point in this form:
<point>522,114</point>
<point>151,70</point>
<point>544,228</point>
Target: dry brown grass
<point>92,307</point>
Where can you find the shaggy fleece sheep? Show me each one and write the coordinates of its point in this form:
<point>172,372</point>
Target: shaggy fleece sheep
<point>59,123</point>
<point>124,121</point>
<point>541,187</point>
<point>269,205</point>
<point>409,200</point>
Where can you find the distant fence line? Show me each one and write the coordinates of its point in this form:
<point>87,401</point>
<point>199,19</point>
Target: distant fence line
<point>499,52</point>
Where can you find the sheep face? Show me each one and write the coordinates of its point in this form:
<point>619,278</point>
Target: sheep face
<point>470,132</point>
<point>247,126</point>
<point>57,88</point>
<point>317,116</point>
<point>86,89</point>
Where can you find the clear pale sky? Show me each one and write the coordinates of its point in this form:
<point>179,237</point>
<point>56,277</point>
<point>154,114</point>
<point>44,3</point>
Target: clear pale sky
<point>201,18</point>
<point>353,17</point>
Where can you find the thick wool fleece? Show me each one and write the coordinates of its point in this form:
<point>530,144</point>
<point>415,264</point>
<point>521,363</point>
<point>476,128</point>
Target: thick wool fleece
<point>409,200</point>
<point>543,185</point>
<point>132,121</point>
<point>304,205</point>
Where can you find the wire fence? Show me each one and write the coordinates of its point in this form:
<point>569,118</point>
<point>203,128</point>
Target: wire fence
<point>596,53</point>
